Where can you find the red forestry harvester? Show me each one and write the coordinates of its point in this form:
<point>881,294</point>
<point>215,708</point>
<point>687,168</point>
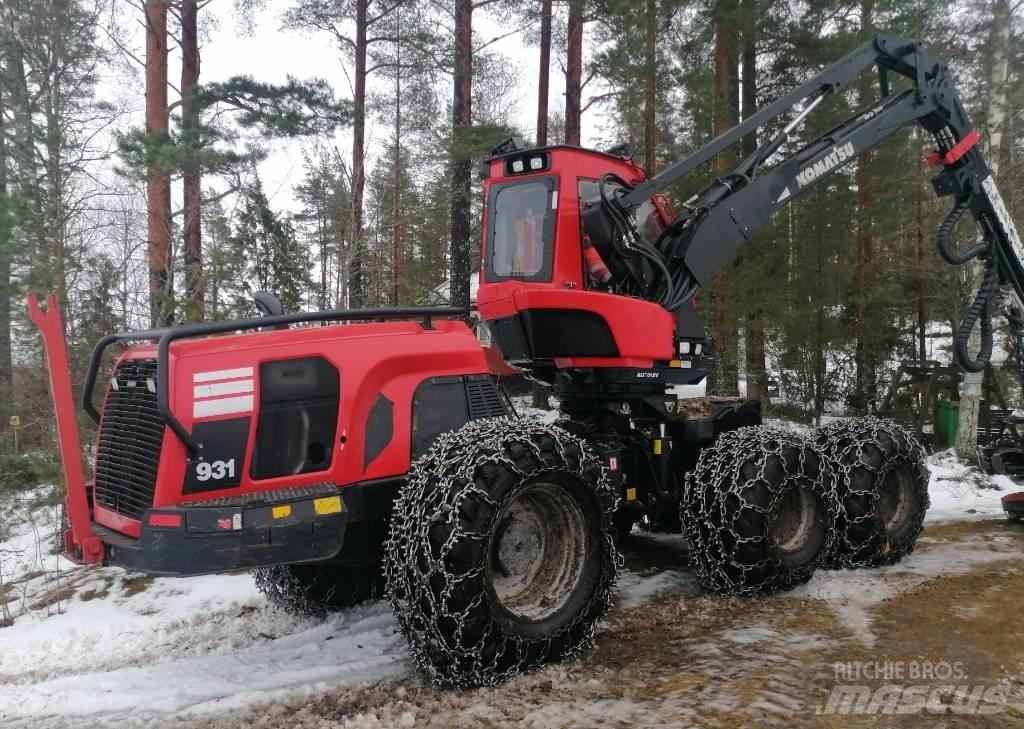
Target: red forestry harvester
<point>376,452</point>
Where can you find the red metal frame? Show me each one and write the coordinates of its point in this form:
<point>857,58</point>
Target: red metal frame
<point>391,359</point>
<point>80,535</point>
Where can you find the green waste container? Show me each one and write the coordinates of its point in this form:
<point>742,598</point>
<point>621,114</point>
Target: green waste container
<point>947,422</point>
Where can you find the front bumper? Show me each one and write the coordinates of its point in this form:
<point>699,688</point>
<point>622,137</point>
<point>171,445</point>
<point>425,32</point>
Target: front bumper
<point>304,524</point>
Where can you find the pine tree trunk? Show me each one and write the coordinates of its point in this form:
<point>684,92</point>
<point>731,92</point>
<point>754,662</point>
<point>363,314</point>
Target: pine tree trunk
<point>540,392</point>
<point>356,281</point>
<point>461,164</point>
<point>650,86</point>
<point>999,47</point>
<point>6,246</point>
<point>820,364</point>
<point>158,180</point>
<point>921,311</point>
<point>396,191</point>
<point>192,183</point>
<point>863,380</point>
<point>724,379</point>
<point>574,74</point>
<point>543,82</point>
<point>757,375</point>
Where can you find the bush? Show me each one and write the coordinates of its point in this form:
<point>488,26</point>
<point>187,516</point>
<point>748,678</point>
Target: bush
<point>25,471</point>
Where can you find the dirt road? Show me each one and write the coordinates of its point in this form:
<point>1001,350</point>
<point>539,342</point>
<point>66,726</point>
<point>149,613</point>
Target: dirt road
<point>933,642</point>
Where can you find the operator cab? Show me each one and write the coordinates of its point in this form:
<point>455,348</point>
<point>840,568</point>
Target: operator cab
<point>549,297</point>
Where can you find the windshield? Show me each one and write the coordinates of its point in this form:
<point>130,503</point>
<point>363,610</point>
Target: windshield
<point>522,222</point>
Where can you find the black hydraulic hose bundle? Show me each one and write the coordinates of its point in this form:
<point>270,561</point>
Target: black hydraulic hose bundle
<point>634,243</point>
<point>980,312</point>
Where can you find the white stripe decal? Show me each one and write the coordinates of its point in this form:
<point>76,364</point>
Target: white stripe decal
<point>237,387</point>
<point>222,375</point>
<point>222,406</point>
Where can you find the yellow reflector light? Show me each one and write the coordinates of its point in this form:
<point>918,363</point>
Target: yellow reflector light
<point>630,494</point>
<point>657,447</point>
<point>328,505</point>
<point>281,512</point>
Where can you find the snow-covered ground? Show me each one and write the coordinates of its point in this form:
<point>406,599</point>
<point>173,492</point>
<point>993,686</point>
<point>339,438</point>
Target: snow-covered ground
<point>101,646</point>
<point>962,492</point>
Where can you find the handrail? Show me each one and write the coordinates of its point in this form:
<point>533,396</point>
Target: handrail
<point>165,336</point>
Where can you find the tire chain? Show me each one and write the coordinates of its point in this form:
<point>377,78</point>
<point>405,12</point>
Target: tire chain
<point>314,590</point>
<point>726,476</point>
<point>845,444</point>
<point>437,625</point>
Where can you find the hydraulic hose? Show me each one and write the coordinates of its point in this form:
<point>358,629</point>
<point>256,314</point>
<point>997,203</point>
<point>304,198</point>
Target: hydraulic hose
<point>980,314</point>
<point>944,238</point>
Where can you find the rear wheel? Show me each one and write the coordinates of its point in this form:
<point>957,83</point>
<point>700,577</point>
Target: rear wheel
<point>881,490</point>
<point>501,555</point>
<point>756,512</point>
<point>313,590</point>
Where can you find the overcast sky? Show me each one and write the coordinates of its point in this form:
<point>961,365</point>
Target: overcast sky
<point>269,53</point>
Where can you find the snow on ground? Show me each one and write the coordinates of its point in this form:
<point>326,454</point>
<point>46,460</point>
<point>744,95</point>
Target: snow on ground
<point>853,594</point>
<point>958,491</point>
<point>102,646</point>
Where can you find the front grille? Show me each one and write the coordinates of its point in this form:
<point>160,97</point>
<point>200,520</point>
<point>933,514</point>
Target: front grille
<point>131,434</point>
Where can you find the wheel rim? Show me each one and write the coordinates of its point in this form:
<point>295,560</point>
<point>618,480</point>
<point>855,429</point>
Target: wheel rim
<point>895,499</point>
<point>795,528</point>
<point>537,552</point>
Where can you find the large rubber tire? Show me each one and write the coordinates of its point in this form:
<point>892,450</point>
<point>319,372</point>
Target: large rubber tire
<point>501,556</point>
<point>313,590</point>
<point>757,512</point>
<point>881,488</point>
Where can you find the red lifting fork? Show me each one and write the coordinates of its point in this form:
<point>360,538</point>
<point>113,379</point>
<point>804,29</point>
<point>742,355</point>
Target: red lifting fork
<point>81,545</point>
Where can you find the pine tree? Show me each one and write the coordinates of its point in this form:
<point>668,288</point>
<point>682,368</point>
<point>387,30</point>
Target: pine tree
<point>274,259</point>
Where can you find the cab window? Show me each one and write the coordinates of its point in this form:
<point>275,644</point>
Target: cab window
<point>521,225</point>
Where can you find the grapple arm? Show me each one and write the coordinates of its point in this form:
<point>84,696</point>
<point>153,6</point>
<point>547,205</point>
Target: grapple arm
<point>732,208</point>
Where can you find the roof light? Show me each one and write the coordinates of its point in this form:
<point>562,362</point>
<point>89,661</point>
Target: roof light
<point>684,348</point>
<point>536,163</point>
<point>517,165</point>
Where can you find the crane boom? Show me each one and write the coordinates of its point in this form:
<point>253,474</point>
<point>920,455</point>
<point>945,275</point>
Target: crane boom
<point>721,219</point>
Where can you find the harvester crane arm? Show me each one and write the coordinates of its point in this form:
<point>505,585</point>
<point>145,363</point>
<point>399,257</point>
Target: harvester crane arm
<point>722,218</point>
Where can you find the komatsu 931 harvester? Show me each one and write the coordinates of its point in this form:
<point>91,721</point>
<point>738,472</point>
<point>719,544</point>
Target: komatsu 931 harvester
<point>345,454</point>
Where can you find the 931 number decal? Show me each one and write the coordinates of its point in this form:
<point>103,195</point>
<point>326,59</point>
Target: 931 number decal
<point>215,470</point>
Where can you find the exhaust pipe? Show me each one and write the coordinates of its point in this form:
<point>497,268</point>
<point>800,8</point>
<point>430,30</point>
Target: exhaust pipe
<point>81,545</point>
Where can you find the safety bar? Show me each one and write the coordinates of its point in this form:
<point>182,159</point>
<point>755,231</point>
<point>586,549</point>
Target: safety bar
<point>165,336</point>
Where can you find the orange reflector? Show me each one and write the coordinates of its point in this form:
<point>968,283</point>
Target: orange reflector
<point>165,520</point>
<point>281,512</point>
<point>630,494</point>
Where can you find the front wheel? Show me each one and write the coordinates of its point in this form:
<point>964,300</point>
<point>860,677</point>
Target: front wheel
<point>501,555</point>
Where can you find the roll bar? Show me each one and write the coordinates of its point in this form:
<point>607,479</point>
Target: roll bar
<point>165,336</point>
